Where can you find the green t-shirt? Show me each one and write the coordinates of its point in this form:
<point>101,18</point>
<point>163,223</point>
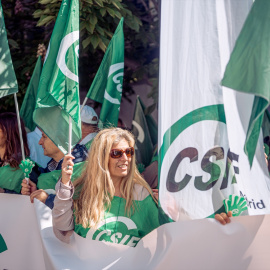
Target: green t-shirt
<point>49,180</point>
<point>11,178</point>
<point>117,227</point>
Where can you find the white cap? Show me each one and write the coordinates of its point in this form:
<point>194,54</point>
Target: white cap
<point>87,115</point>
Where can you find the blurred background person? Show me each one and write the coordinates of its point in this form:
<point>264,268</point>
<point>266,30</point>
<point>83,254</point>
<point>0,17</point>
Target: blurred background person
<point>10,152</point>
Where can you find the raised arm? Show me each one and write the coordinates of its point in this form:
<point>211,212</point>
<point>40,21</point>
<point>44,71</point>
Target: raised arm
<point>62,213</point>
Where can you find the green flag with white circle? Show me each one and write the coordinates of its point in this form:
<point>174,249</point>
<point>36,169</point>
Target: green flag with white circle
<point>8,81</point>
<point>143,146</point>
<point>107,85</point>
<point>58,92</point>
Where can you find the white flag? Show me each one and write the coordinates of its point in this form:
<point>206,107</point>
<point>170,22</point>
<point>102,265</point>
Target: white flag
<point>201,157</point>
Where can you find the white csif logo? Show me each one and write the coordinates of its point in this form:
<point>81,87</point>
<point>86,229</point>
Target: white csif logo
<point>114,68</point>
<point>117,237</point>
<point>66,43</point>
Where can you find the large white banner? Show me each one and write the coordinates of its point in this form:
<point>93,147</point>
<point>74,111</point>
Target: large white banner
<point>197,244</point>
<point>201,125</point>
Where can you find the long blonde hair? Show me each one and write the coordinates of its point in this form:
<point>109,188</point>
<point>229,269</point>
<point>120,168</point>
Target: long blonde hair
<point>94,190</point>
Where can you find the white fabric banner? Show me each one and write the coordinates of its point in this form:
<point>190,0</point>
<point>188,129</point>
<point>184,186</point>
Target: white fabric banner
<point>197,244</point>
<point>201,127</point>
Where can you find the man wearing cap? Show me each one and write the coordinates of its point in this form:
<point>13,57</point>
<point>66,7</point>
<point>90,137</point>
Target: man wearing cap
<point>89,126</point>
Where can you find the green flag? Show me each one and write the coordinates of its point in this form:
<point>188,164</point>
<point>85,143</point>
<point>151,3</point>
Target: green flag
<point>107,85</point>
<point>58,91</point>
<point>266,133</point>
<point>8,81</point>
<point>29,101</point>
<point>144,146</point>
<point>249,69</point>
<point>3,245</point>
<point>266,125</point>
<point>152,125</point>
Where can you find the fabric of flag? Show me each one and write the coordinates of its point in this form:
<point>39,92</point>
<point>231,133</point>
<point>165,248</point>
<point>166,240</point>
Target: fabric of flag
<point>29,101</point>
<point>8,81</point>
<point>266,126</point>
<point>248,69</point>
<point>107,85</point>
<point>152,125</point>
<point>266,133</point>
<point>171,246</point>
<point>58,91</point>
<point>144,146</point>
<point>202,127</point>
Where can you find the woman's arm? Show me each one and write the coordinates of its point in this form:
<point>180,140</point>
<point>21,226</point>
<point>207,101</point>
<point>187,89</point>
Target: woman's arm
<point>62,213</point>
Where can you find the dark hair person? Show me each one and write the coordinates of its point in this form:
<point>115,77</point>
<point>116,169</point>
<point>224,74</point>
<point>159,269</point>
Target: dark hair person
<point>10,146</point>
<point>10,153</point>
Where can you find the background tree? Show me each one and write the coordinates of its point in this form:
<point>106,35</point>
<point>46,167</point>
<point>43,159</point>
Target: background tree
<point>30,23</point>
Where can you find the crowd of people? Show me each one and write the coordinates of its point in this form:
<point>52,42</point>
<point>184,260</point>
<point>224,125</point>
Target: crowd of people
<point>89,190</point>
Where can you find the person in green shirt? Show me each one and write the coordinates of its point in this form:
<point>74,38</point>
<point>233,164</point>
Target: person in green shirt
<point>110,201</point>
<point>11,175</point>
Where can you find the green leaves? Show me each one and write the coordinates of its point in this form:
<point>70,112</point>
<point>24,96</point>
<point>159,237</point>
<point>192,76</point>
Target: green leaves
<point>99,2</point>
<point>95,41</point>
<point>98,18</point>
<point>45,20</point>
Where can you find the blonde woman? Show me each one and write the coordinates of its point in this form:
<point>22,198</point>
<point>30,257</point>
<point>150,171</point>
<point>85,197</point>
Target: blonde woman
<point>110,201</point>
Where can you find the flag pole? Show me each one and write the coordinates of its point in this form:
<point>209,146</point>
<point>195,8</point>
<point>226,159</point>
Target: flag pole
<point>19,125</point>
<point>69,135</point>
<point>84,102</point>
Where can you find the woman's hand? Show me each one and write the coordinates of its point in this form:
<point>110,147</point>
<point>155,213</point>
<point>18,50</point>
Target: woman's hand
<point>67,168</point>
<point>27,189</point>
<point>155,193</point>
<point>40,195</point>
<point>224,218</point>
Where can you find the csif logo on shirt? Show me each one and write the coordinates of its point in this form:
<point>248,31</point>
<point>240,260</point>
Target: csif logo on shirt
<point>106,231</point>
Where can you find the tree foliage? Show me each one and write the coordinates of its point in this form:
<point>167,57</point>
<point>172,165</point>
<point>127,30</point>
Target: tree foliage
<point>30,23</point>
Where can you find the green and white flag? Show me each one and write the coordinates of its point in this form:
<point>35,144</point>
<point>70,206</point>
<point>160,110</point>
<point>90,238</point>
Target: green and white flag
<point>8,81</point>
<point>248,70</point>
<point>152,125</point>
<point>3,245</point>
<point>30,98</point>
<point>58,91</point>
<point>107,85</point>
<point>202,128</point>
<point>266,125</point>
<point>144,146</point>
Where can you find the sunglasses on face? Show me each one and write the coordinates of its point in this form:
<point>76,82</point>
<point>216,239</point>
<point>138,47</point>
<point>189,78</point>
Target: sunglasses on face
<point>117,153</point>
